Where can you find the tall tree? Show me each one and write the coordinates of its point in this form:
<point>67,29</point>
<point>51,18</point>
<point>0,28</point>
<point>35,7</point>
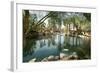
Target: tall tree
<point>26,21</point>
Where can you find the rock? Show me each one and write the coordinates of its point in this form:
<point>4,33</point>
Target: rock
<point>72,57</point>
<point>51,58</point>
<point>65,58</point>
<point>33,60</point>
<point>56,57</point>
<point>62,55</point>
<point>45,60</point>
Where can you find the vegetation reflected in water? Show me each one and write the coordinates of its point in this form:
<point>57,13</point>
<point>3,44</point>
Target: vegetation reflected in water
<point>56,45</point>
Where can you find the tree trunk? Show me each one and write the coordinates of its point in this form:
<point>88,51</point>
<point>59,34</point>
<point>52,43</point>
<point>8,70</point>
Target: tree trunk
<point>26,21</point>
<point>43,19</point>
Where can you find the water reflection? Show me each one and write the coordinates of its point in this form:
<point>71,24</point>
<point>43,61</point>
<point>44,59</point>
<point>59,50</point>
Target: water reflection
<point>56,46</point>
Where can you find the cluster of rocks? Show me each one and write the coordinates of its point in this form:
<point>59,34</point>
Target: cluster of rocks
<point>51,58</point>
<point>62,57</point>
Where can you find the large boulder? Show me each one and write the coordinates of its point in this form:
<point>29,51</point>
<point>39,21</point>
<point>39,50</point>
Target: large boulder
<point>57,58</point>
<point>73,56</point>
<point>62,55</point>
<point>51,58</point>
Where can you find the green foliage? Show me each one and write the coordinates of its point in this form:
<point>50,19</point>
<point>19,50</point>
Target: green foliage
<point>55,19</point>
<point>88,16</point>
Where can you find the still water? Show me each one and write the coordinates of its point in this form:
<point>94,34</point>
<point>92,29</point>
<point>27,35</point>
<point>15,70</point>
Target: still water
<point>55,45</point>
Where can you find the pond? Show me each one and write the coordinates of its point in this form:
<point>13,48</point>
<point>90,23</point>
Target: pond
<point>55,47</point>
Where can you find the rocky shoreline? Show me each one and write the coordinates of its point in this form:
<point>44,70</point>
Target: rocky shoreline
<point>62,57</point>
